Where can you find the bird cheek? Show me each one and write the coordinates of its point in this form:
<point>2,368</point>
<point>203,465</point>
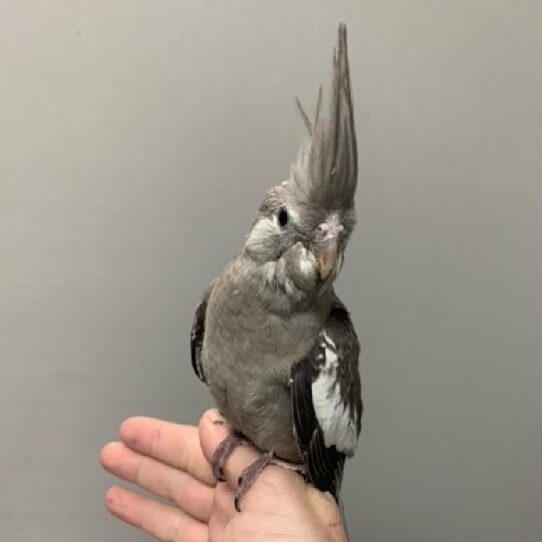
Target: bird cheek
<point>303,267</point>
<point>308,265</point>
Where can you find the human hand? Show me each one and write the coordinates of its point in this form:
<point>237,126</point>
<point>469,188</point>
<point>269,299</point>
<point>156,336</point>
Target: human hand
<point>172,461</point>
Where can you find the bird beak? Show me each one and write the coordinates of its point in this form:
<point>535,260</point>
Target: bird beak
<point>325,248</point>
<point>326,256</point>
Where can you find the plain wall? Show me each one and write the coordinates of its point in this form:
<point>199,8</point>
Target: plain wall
<point>136,140</point>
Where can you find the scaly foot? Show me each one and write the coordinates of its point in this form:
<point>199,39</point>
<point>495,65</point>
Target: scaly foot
<point>221,454</point>
<point>251,473</point>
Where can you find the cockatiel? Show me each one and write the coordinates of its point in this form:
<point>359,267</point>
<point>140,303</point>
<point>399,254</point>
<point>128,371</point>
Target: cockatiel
<point>270,337</point>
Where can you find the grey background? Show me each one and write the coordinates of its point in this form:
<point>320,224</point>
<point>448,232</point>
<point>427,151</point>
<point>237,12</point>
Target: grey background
<point>136,139</point>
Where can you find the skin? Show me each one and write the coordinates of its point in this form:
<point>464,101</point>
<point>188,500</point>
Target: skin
<point>172,461</point>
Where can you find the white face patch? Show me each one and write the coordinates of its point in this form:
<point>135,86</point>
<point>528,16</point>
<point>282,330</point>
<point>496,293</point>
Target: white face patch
<point>338,423</point>
<point>268,272</point>
<point>307,263</point>
<point>262,231</point>
<point>294,216</point>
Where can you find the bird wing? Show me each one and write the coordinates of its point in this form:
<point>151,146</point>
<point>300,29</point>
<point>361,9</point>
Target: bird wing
<point>326,401</point>
<point>198,333</point>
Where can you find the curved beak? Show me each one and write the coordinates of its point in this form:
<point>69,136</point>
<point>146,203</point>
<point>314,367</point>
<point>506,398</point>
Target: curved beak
<point>325,248</point>
<point>326,256</point>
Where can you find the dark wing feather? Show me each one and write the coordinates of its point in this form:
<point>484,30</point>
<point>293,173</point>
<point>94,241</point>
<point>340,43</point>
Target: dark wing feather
<point>198,333</point>
<point>326,401</point>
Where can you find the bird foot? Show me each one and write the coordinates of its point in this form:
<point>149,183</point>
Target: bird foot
<point>251,473</point>
<point>221,454</point>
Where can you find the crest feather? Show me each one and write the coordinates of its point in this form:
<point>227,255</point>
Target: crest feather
<point>326,169</point>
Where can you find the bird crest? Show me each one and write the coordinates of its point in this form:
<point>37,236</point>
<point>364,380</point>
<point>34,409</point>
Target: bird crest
<point>326,168</point>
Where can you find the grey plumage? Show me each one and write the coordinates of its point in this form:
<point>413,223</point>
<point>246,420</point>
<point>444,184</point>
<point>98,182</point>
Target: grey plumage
<point>326,168</point>
<point>270,337</point>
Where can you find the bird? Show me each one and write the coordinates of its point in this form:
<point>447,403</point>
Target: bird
<point>270,338</point>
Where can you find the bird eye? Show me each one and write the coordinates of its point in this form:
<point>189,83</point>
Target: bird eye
<point>282,217</point>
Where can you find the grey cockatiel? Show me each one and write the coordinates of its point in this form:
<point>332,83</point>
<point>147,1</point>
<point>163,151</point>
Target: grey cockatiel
<point>271,338</point>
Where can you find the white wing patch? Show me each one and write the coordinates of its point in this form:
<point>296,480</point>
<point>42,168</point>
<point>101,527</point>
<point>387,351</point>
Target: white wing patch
<point>338,423</point>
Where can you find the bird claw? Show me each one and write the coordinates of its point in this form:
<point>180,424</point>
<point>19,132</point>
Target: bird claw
<point>251,473</point>
<point>221,454</point>
<point>218,473</point>
<point>248,477</point>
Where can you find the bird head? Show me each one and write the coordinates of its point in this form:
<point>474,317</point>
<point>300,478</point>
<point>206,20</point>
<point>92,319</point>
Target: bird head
<point>303,224</point>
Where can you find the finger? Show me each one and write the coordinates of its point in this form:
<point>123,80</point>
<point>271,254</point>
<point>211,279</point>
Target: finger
<point>176,445</point>
<point>191,495</point>
<point>159,520</point>
<point>211,434</point>
<point>223,505</point>
<point>223,512</point>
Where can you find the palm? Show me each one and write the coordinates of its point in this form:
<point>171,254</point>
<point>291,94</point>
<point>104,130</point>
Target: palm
<point>172,462</point>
